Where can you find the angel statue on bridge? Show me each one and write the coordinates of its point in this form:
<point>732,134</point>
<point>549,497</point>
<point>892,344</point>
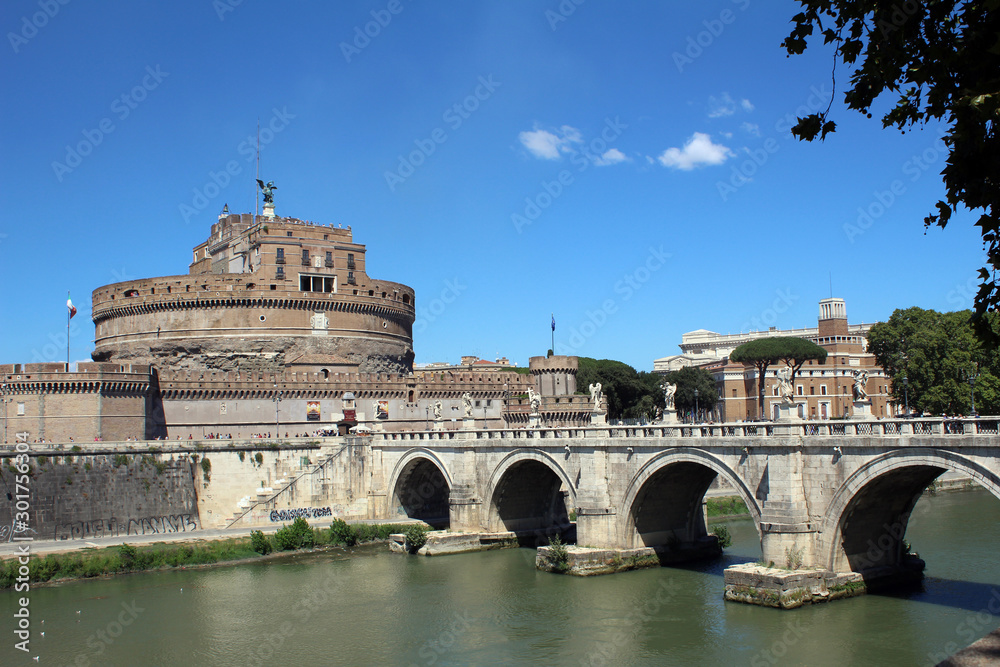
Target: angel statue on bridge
<point>669,390</point>
<point>860,385</point>
<point>596,394</point>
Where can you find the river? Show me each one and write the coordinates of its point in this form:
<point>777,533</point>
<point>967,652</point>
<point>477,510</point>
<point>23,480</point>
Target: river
<point>492,608</point>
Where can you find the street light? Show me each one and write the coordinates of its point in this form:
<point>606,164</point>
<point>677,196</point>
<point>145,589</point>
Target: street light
<point>696,405</point>
<point>277,402</point>
<point>972,386</point>
<point>906,394</point>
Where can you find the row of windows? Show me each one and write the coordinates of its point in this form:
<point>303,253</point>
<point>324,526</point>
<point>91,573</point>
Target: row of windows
<point>279,258</point>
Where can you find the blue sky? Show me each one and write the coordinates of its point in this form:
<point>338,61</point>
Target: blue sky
<point>627,167</point>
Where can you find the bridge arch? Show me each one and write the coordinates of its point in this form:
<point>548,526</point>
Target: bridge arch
<point>663,500</point>
<point>421,485</point>
<point>866,519</point>
<point>530,493</point>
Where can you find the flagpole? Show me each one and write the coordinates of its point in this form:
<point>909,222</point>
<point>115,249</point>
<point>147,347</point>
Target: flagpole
<point>68,316</point>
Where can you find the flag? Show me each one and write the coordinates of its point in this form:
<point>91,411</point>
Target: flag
<point>72,308</point>
<point>553,322</point>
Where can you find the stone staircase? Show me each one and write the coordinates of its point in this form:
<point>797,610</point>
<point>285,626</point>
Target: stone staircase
<point>298,485</point>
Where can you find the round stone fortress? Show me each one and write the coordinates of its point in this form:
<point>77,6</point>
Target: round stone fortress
<point>262,293</point>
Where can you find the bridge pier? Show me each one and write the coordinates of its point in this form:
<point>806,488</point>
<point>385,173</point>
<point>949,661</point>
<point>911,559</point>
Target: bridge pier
<point>464,510</point>
<point>596,527</point>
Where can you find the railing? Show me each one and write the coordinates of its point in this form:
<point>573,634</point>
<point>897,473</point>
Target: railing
<point>876,428</point>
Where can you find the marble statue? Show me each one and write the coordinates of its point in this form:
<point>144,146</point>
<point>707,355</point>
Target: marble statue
<point>860,382</point>
<point>596,395</point>
<point>669,390</point>
<point>535,399</point>
<point>467,404</point>
<point>438,406</point>
<point>785,390</point>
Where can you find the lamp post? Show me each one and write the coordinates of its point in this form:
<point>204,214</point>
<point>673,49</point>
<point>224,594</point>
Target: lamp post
<point>427,417</point>
<point>906,394</point>
<point>972,387</point>
<point>506,403</point>
<point>277,402</point>
<point>696,405</point>
<point>3,399</point>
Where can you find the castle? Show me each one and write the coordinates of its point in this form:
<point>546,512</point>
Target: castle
<point>277,328</point>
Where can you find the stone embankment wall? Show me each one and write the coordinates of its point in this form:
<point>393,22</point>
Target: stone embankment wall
<point>80,497</point>
<point>122,489</point>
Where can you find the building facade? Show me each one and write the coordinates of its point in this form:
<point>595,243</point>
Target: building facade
<point>820,391</point>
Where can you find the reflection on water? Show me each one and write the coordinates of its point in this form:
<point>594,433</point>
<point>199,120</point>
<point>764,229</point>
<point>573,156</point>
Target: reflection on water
<point>489,608</point>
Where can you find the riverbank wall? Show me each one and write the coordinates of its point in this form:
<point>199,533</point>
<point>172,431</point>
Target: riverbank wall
<point>77,492</point>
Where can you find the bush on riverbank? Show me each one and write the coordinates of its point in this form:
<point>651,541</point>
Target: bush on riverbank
<point>123,558</point>
<point>726,506</point>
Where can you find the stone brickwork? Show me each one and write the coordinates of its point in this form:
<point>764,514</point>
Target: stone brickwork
<point>76,496</point>
<point>245,307</point>
<point>106,401</point>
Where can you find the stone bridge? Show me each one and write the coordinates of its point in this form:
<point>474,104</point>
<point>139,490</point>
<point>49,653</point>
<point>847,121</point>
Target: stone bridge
<point>837,494</point>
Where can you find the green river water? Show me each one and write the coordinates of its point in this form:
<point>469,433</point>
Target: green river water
<point>376,608</point>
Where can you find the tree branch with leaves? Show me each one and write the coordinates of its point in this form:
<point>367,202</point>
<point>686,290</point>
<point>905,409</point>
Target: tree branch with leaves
<point>941,61</point>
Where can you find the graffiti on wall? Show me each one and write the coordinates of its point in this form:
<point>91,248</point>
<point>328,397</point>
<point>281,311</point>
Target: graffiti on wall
<point>113,527</point>
<point>304,512</point>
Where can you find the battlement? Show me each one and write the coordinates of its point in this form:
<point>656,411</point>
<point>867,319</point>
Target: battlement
<point>363,385</point>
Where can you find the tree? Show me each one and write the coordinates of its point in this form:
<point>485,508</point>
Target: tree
<point>938,353</point>
<point>629,394</point>
<point>687,380</point>
<point>941,59</point>
<point>797,351</point>
<point>766,351</point>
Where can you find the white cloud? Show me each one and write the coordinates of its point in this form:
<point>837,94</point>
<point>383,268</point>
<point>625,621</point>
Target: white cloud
<point>548,145</point>
<point>721,106</point>
<point>541,144</point>
<point>725,105</point>
<point>612,156</point>
<point>698,151</point>
<point>553,144</point>
<point>751,128</point>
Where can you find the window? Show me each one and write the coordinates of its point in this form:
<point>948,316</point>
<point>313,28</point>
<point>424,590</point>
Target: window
<point>305,257</point>
<point>279,255</point>
<point>288,233</point>
<point>329,259</point>
<point>799,390</point>
<point>734,393</point>
<point>20,409</point>
<point>308,283</point>
<point>350,261</point>
<point>812,391</point>
<point>350,280</point>
<point>822,390</point>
